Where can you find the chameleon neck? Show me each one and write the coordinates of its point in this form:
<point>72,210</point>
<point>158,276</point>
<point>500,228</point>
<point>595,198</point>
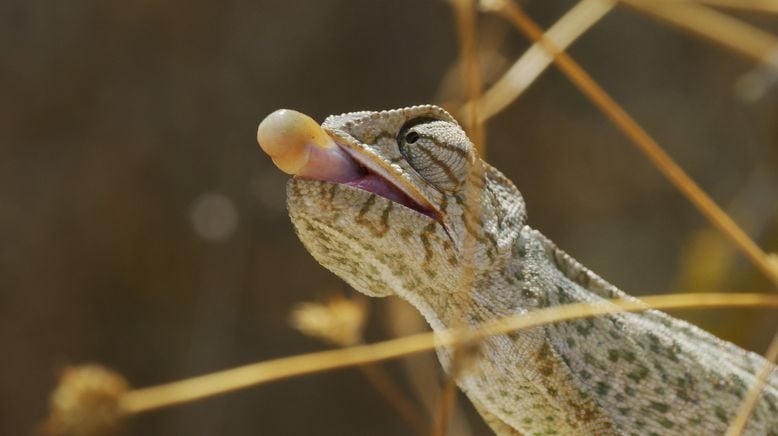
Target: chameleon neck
<point>654,372</point>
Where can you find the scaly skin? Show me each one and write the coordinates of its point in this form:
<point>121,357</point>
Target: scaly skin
<point>626,373</point>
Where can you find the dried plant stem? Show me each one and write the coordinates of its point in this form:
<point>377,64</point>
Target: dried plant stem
<point>752,397</point>
<point>467,35</point>
<point>535,60</point>
<point>466,24</point>
<point>421,369</point>
<point>445,407</point>
<point>462,357</point>
<point>768,6</point>
<point>196,388</point>
<point>643,141</point>
<point>730,32</point>
<point>737,35</point>
<point>384,384</point>
<point>341,321</point>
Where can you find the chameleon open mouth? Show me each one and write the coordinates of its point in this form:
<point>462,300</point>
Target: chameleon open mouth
<point>367,179</point>
<point>299,146</point>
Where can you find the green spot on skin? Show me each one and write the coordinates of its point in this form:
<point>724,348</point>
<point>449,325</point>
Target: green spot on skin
<point>659,367</point>
<point>739,386</point>
<point>603,388</point>
<point>638,374</point>
<point>624,411</point>
<point>682,394</point>
<point>562,295</point>
<point>592,361</point>
<point>721,414</point>
<point>584,330</point>
<point>660,407</point>
<point>629,391</point>
<point>613,355</point>
<point>571,342</point>
<point>770,399</point>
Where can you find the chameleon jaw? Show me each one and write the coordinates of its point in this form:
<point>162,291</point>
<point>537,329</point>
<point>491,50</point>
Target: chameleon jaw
<point>379,180</point>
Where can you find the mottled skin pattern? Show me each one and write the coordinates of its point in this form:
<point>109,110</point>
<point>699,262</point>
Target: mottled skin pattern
<point>645,373</point>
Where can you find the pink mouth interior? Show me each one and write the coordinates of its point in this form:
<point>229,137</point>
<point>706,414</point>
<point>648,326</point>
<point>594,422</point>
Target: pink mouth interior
<point>351,173</point>
<point>376,184</point>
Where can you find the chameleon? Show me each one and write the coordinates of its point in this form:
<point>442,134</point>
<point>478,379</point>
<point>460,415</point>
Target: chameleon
<point>398,202</point>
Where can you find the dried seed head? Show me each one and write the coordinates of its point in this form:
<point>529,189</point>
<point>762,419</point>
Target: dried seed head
<point>340,321</point>
<point>86,402</point>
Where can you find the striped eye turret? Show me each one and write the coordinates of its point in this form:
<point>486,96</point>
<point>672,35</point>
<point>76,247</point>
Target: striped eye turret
<point>438,150</point>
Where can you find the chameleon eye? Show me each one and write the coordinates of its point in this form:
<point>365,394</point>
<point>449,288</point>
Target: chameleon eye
<point>437,150</point>
<point>411,137</point>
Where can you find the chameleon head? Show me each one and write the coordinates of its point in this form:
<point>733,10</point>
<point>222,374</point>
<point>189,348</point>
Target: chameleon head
<point>394,201</point>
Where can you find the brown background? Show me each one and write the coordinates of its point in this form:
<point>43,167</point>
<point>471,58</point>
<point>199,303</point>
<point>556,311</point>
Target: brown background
<point>117,117</point>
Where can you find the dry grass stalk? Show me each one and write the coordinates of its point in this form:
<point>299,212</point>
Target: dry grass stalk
<point>209,385</point>
<point>535,60</point>
<point>752,397</point>
<point>445,407</point>
<point>766,6</point>
<point>405,409</point>
<point>341,321</point>
<point>422,370</point>
<point>737,35</point>
<point>730,32</point>
<point>466,25</point>
<point>464,357</point>
<point>621,119</point>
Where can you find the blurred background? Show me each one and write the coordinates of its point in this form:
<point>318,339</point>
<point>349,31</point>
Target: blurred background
<point>142,228</point>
